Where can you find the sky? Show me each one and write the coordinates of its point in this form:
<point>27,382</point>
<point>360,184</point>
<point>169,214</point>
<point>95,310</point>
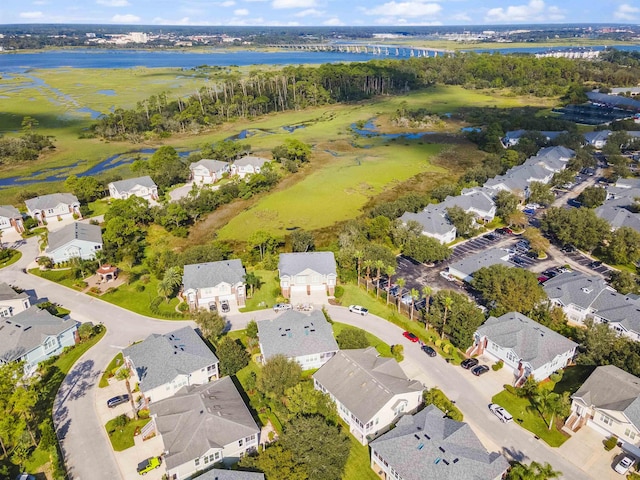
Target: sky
<point>319,12</point>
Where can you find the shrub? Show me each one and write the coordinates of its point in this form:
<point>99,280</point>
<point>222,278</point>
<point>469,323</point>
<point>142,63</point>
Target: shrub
<point>555,377</point>
<point>338,292</point>
<point>140,288</point>
<point>438,342</point>
<point>497,366</point>
<point>144,279</point>
<point>610,443</point>
<point>144,413</point>
<point>120,421</point>
<point>511,389</point>
<point>398,352</point>
<point>446,348</point>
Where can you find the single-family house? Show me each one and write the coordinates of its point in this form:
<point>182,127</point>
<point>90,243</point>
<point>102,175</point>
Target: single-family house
<point>524,345</point>
<point>163,364</point>
<point>143,187</point>
<point>434,222</point>
<point>248,166</point>
<point>208,171</point>
<point>431,446</point>
<point>305,272</point>
<point>553,159</point>
<point>513,137</point>
<point>597,139</point>
<point>53,206</point>
<point>12,302</point>
<point>609,403</point>
<point>370,392</point>
<point>465,268</point>
<point>222,474</point>
<point>10,217</point>
<point>207,284</point>
<point>204,425</point>
<point>306,338</point>
<point>76,240</point>
<point>35,335</point>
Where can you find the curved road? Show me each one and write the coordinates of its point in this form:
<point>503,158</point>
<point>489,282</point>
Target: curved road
<point>84,442</point>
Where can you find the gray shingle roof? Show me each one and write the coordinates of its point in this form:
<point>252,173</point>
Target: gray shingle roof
<point>477,199</point>
<point>363,381</point>
<point>617,214</point>
<point>218,474</point>
<point>9,211</point>
<point>532,342</point>
<point>250,160</point>
<point>211,165</point>
<point>159,359</point>
<point>8,293</point>
<point>613,100</point>
<point>557,152</point>
<point>611,388</point>
<point>293,263</point>
<point>74,231</point>
<point>574,288</point>
<point>52,200</point>
<point>599,136</point>
<point>429,446</point>
<point>129,183</point>
<point>27,330</point>
<point>212,274</point>
<point>433,219</point>
<point>295,334</point>
<point>618,308</point>
<point>471,264</point>
<point>198,418</point>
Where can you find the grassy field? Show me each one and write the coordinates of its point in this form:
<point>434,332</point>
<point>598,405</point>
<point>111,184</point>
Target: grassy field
<point>123,437</point>
<point>383,348</point>
<point>267,295</point>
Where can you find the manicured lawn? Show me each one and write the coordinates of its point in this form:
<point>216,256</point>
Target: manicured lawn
<point>359,463</point>
<point>573,378</point>
<point>63,277</point>
<point>14,256</point>
<point>99,207</point>
<point>521,409</point>
<point>117,361</point>
<point>267,295</point>
<point>123,437</point>
<point>383,349</point>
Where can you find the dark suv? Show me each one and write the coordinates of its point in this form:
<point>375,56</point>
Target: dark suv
<point>469,363</point>
<point>119,400</point>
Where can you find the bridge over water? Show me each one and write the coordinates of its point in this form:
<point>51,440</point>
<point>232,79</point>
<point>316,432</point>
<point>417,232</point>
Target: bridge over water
<point>381,50</point>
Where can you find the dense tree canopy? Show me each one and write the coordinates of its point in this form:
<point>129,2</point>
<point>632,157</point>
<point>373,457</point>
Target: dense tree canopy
<point>576,226</point>
<point>456,316</point>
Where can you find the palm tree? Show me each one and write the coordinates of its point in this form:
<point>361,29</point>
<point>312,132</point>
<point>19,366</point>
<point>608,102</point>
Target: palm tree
<point>379,266</point>
<point>401,283</point>
<point>368,263</point>
<point>253,281</point>
<point>415,295</point>
<point>125,374</point>
<point>171,280</point>
<point>427,291</point>
<point>390,271</point>
<point>533,471</point>
<point>358,256</point>
<point>448,303</point>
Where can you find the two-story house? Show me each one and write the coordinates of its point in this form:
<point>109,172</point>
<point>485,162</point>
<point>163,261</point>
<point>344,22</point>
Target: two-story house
<point>76,240</point>
<point>163,364</point>
<point>307,339</point>
<point>203,425</point>
<point>35,335</point>
<point>208,171</point>
<point>525,346</point>
<point>306,272</point>
<point>12,302</point>
<point>53,206</point>
<point>143,187</point>
<point>247,166</point>
<point>434,222</point>
<point>370,392</point>
<point>10,217</point>
<point>205,285</point>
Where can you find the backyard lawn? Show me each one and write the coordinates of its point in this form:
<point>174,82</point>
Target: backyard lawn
<point>358,464</point>
<point>267,295</point>
<point>14,256</point>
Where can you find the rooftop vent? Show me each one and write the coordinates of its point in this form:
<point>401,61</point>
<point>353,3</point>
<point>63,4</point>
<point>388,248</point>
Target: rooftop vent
<point>427,436</point>
<point>445,462</point>
<point>420,446</point>
<point>456,460</point>
<point>417,436</point>
<point>441,449</point>
<point>586,290</point>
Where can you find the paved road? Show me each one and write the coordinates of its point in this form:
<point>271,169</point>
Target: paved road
<point>458,384</point>
<point>84,441</point>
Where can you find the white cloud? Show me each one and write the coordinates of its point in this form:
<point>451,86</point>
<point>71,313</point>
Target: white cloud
<point>461,17</point>
<point>113,3</point>
<point>533,11</point>
<point>333,22</point>
<point>128,18</point>
<point>31,15</point>
<point>404,21</point>
<point>626,12</point>
<point>228,3</point>
<point>41,2</point>
<point>293,3</point>
<point>241,12</point>
<point>411,9</point>
<point>310,12</point>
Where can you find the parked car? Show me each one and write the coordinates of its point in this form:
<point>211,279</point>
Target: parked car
<point>410,336</point>
<point>568,248</point>
<point>149,464</point>
<point>358,309</point>
<point>532,254</point>
<point>394,290</point>
<point>550,273</point>
<point>224,306</point>
<point>407,298</point>
<point>213,307</point>
<point>25,476</point>
<point>469,363</point>
<point>500,412</point>
<point>279,307</point>
<point>623,466</point>
<point>595,264</point>
<point>429,351</point>
<point>517,260</point>
<point>479,370</point>
<point>119,400</point>
<point>489,236</point>
<point>542,279</point>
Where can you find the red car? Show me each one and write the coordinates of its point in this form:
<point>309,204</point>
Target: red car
<point>542,279</point>
<point>410,336</point>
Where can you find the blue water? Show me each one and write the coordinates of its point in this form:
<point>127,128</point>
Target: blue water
<point>371,131</point>
<point>109,93</point>
<point>94,113</point>
<point>471,129</point>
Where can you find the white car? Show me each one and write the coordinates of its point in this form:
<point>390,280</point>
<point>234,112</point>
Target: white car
<point>623,466</point>
<point>280,307</point>
<point>358,309</point>
<point>500,412</point>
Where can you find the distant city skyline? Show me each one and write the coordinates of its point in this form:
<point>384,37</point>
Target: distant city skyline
<point>319,12</point>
